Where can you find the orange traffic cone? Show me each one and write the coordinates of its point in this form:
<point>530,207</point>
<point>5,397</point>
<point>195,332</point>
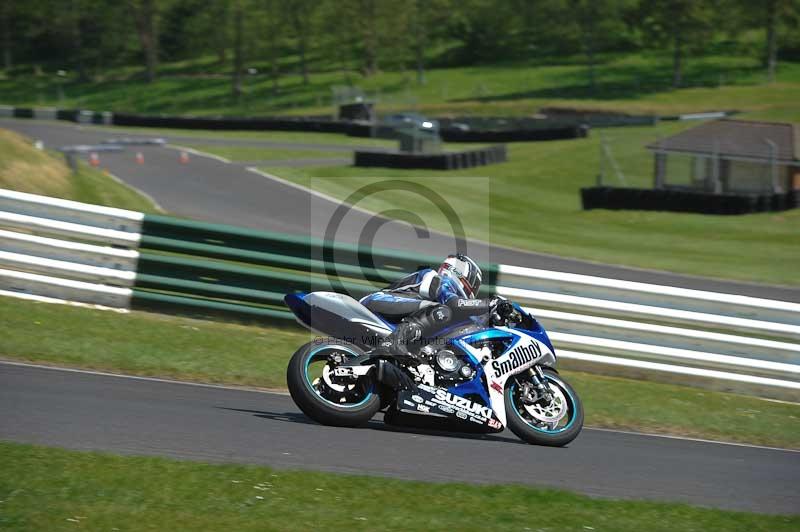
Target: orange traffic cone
<point>94,159</point>
<point>139,158</point>
<point>106,172</point>
<point>184,157</point>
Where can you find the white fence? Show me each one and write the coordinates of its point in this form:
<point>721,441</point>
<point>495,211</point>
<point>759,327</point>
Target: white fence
<point>81,265</point>
<point>727,341</point>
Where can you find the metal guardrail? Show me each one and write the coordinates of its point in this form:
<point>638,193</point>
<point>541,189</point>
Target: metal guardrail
<point>738,343</point>
<point>67,267</point>
<point>725,341</point>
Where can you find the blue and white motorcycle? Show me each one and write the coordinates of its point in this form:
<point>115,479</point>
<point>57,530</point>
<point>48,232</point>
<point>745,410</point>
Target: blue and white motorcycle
<point>481,375</point>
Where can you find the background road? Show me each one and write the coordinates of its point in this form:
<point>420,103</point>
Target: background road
<point>85,411</point>
<point>211,190</point>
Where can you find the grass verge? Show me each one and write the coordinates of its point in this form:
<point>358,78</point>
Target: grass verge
<point>27,169</point>
<point>208,351</point>
<point>53,489</point>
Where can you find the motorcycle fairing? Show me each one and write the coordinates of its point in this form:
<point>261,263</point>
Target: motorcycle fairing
<point>339,316</point>
<point>523,352</point>
<point>447,408</point>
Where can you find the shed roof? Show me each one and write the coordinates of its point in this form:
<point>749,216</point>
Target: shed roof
<point>738,138</point>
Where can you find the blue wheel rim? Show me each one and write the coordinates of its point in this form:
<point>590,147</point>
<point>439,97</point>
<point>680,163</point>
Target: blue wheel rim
<point>313,357</point>
<point>571,409</point>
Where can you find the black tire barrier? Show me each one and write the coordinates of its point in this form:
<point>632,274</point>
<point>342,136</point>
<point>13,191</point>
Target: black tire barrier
<point>435,161</point>
<point>308,124</point>
<point>596,118</point>
<point>366,130</point>
<point>357,111</point>
<point>70,115</point>
<point>242,124</point>
<point>685,201</point>
<point>513,135</point>
<point>23,112</point>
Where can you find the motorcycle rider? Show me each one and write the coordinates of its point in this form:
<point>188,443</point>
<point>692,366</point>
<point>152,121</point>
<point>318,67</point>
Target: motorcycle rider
<point>426,300</point>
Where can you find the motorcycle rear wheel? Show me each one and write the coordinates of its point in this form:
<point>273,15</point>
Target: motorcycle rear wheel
<point>351,409</point>
<point>531,428</point>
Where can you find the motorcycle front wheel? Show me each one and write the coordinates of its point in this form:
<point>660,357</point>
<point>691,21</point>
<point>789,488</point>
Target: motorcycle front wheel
<point>553,422</point>
<point>325,398</point>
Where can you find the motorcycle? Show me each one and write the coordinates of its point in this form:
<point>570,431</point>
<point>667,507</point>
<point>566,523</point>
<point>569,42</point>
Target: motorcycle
<point>483,375</point>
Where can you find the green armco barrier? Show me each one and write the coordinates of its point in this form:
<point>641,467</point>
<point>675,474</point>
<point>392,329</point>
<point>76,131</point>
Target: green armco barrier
<point>143,300</point>
<point>206,271</point>
<point>209,289</point>
<point>278,260</point>
<point>217,268</point>
<point>288,245</point>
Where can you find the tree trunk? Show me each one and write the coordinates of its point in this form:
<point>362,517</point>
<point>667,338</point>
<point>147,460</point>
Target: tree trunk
<point>588,47</point>
<point>302,49</point>
<point>585,14</point>
<point>273,57</point>
<point>144,15</point>
<point>298,12</point>
<point>221,37</point>
<point>77,42</point>
<point>369,19</point>
<point>419,41</point>
<point>771,59</point>
<point>238,59</point>
<point>5,27</point>
<point>676,59</point>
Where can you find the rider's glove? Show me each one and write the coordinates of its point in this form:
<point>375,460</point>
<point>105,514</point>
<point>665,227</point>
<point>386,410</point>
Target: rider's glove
<point>502,306</point>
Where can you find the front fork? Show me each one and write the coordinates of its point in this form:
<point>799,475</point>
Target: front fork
<point>537,388</point>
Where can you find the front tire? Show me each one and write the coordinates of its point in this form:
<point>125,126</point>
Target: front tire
<point>531,427</point>
<point>306,392</point>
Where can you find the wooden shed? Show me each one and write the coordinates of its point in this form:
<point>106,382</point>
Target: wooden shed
<point>730,157</point>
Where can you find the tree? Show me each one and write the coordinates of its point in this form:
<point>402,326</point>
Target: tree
<point>599,26</point>
<point>299,14</point>
<point>368,24</point>
<point>274,27</point>
<point>487,29</point>
<point>775,11</point>
<point>427,20</point>
<point>681,23</point>
<point>771,58</point>
<point>238,53</point>
<point>586,13</point>
<point>144,14</point>
<point>6,15</point>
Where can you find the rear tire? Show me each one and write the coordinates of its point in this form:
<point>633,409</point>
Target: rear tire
<point>317,407</point>
<point>540,435</point>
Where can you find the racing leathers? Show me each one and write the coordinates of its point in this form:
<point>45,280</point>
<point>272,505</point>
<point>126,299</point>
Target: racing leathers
<point>424,302</point>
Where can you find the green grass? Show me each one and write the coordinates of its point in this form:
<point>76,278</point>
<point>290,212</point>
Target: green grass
<point>637,82</point>
<point>215,352</point>
<point>26,169</point>
<point>52,489</point>
<point>534,204</point>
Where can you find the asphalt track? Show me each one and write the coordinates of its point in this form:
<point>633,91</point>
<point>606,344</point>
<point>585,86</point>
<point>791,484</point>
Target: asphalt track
<point>212,190</point>
<point>130,416</point>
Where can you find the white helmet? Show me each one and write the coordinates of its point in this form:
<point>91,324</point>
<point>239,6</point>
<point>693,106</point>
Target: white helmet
<point>465,270</point>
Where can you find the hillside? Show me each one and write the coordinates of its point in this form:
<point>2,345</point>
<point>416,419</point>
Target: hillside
<point>27,169</point>
<point>633,83</point>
